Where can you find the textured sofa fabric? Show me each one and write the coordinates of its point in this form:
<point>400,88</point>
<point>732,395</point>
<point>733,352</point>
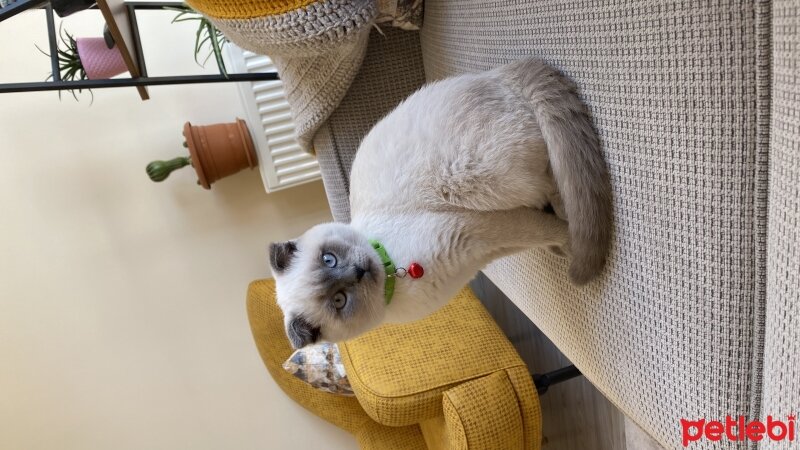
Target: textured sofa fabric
<point>698,108</point>
<point>679,92</point>
<point>782,346</point>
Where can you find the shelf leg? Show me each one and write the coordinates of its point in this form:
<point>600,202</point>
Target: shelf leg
<point>137,43</point>
<point>51,34</point>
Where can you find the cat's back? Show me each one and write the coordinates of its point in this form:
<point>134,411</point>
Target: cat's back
<point>406,147</point>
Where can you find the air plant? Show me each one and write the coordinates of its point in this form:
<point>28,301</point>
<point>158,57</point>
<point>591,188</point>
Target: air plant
<point>69,62</point>
<point>207,34</point>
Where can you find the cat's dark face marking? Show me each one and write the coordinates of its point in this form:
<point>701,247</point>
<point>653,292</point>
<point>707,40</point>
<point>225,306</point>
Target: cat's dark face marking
<point>329,284</point>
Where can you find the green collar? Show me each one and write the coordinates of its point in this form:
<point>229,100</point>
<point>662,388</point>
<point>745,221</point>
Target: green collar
<point>388,266</point>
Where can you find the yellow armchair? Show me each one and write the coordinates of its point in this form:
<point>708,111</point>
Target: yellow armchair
<point>450,381</point>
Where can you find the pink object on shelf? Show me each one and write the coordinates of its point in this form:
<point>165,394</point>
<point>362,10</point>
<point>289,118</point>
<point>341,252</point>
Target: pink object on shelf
<point>99,61</point>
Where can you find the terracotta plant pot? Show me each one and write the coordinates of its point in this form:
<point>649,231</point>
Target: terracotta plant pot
<point>99,61</point>
<point>219,150</point>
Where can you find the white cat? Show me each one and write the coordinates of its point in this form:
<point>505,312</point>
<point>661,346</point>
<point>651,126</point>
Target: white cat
<point>459,174</point>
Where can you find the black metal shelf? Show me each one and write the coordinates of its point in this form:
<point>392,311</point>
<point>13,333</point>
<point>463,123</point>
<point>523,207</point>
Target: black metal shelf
<point>15,7</point>
<point>121,20</point>
<point>139,81</point>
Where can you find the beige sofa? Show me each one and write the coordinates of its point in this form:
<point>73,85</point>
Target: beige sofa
<point>698,108</point>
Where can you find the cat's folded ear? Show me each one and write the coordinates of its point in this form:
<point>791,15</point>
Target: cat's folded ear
<point>281,254</point>
<point>301,332</point>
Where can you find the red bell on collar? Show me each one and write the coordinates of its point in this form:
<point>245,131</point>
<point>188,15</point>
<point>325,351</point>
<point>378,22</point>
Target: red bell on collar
<point>415,270</point>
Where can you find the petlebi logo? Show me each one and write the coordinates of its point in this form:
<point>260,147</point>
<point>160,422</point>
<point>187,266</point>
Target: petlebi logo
<point>739,429</point>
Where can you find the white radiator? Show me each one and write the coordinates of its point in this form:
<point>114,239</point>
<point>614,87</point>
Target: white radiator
<point>281,161</point>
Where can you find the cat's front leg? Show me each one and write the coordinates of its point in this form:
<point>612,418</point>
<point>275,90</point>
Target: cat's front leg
<point>510,231</point>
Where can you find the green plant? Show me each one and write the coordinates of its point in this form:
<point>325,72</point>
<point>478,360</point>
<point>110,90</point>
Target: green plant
<point>69,62</point>
<point>207,34</point>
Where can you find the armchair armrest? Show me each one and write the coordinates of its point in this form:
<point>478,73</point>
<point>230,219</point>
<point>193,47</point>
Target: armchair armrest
<point>484,414</point>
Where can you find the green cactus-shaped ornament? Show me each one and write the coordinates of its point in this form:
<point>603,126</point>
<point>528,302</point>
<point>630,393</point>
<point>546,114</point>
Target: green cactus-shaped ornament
<point>160,170</point>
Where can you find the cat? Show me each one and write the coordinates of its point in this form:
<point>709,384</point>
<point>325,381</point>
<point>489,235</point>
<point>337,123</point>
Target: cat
<point>464,171</point>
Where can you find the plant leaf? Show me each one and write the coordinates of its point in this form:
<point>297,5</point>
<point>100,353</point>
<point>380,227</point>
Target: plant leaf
<point>43,52</point>
<point>197,43</point>
<point>217,51</point>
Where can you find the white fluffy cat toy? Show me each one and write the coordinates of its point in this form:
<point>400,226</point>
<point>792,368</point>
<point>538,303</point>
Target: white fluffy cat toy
<point>462,172</point>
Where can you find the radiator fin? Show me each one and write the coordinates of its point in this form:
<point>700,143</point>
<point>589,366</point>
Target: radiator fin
<point>281,161</point>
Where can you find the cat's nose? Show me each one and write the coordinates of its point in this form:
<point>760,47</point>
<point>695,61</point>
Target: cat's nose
<point>360,273</point>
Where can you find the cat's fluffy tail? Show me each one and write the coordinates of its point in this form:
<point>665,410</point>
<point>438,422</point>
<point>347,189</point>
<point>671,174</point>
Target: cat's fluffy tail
<point>576,160</point>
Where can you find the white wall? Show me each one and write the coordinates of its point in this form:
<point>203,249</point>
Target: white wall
<point>122,320</point>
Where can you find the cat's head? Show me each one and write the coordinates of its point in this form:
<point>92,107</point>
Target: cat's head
<point>329,284</point>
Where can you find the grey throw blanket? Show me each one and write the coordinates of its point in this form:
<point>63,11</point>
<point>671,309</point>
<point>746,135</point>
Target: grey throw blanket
<point>317,50</point>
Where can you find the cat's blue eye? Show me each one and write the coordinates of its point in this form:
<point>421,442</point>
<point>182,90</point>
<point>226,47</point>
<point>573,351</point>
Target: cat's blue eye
<point>329,260</point>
